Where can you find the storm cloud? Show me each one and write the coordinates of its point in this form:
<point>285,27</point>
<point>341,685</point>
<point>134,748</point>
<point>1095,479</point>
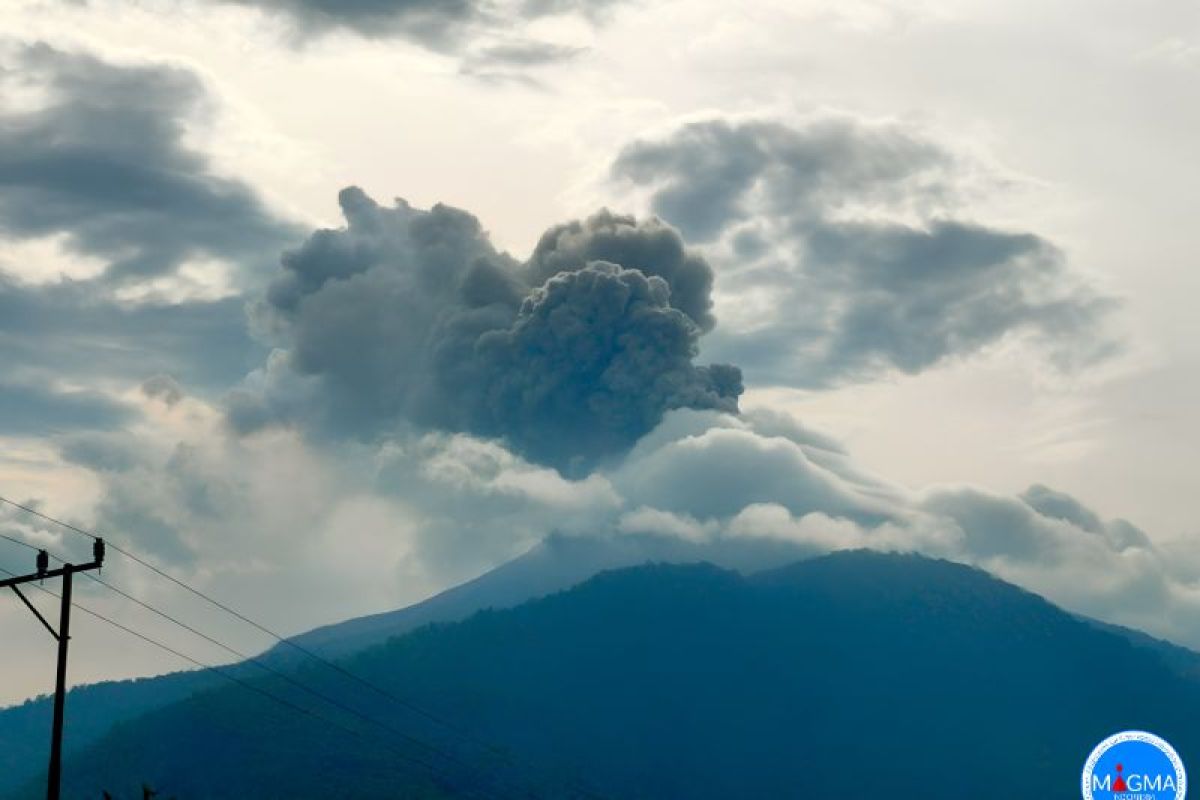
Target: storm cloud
<point>412,317</point>
<point>94,158</point>
<point>101,159</point>
<point>841,236</point>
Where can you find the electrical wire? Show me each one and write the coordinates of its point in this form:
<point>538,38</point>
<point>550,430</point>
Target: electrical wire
<point>409,738</point>
<point>224,672</point>
<point>331,665</point>
<point>15,540</point>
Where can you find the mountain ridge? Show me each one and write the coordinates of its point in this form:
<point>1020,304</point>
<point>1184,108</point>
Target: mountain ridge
<point>691,680</point>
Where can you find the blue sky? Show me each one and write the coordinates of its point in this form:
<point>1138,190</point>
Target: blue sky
<point>902,275</point>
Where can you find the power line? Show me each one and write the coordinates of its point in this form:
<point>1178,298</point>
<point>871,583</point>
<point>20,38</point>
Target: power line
<point>285,677</point>
<point>407,704</point>
<point>413,740</point>
<point>15,540</point>
<point>223,672</point>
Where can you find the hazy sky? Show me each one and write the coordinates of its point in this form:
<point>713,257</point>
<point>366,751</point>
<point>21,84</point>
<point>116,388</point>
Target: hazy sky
<point>947,243</point>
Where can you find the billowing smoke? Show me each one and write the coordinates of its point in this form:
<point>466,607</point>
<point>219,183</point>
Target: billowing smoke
<point>651,247</point>
<point>410,317</point>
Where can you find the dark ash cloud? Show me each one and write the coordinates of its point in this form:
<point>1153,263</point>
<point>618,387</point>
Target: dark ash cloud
<point>650,247</point>
<point>103,161</point>
<point>594,358</point>
<point>815,217</point>
<point>412,317</point>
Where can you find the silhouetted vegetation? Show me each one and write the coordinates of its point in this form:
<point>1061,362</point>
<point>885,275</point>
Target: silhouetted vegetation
<point>857,675</point>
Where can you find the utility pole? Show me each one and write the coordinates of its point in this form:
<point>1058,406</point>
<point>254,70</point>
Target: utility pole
<point>63,635</point>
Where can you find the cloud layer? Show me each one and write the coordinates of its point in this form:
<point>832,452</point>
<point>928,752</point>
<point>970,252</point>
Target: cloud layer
<point>434,406</point>
<point>440,24</point>
<point>95,160</point>
<point>101,158</point>
<point>835,233</point>
<point>436,22</point>
<point>446,505</point>
<point>715,478</point>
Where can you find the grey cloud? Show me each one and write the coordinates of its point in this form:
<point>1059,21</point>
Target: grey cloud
<point>434,22</point>
<point>139,515</point>
<point>101,451</point>
<point>103,161</point>
<point>1041,525</point>
<point>996,526</point>
<point>412,317</point>
<point>704,172</point>
<point>173,500</point>
<point>515,61</point>
<point>1052,544</point>
<point>589,8</point>
<point>69,329</point>
<point>37,410</point>
<point>769,422</point>
<point>797,213</point>
<point>523,53</point>
<point>721,472</point>
<point>717,480</point>
<point>912,298</point>
<point>163,387</point>
<point>711,466</point>
<point>437,24</point>
<point>1059,505</point>
<point>99,159</point>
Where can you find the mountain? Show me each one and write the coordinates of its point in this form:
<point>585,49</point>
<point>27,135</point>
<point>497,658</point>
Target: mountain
<point>91,713</point>
<point>556,563</point>
<point>856,675</point>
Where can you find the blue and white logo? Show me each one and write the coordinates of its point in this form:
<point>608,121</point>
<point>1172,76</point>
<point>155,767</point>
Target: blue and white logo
<point>1134,765</point>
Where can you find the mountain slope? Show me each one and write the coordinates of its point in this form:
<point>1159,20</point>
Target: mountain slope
<point>91,713</point>
<point>855,675</point>
<point>557,563</point>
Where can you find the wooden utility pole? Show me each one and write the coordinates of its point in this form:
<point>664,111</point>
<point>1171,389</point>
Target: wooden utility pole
<point>63,635</point>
